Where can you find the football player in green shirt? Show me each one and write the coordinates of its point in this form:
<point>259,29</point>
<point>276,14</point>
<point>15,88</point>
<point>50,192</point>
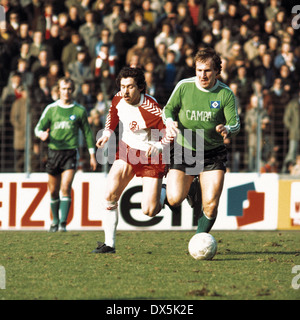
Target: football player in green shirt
<point>201,112</point>
<point>60,123</point>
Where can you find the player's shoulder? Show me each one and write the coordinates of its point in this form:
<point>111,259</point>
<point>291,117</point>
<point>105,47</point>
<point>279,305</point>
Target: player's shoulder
<point>224,87</point>
<point>150,104</point>
<point>51,106</point>
<point>186,81</point>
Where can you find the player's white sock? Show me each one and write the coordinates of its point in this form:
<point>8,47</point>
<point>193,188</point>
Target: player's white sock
<point>110,222</point>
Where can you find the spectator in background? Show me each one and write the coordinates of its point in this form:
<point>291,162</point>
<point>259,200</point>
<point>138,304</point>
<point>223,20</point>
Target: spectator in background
<point>231,19</point>
<point>271,10</point>
<point>64,27</point>
<point>85,97</point>
<point>140,26</point>
<point>105,39</point>
<point>292,124</point>
<point>101,106</point>
<point>251,121</point>
<point>266,72</point>
<point>196,10</point>
<point>183,17</point>
<point>56,42</point>
<point>223,46</point>
<point>187,70</point>
<point>70,50</point>
<point>169,74</point>
<point>122,41</point>
<point>46,20</point>
<point>167,12</point>
<point>128,10</point>
<point>80,70</point>
<point>75,16</point>
<point>279,101</point>
<point>148,13</point>
<point>38,44</point>
<point>42,93</point>
<point>89,31</point>
<point>112,20</point>
<point>140,48</point>
<point>41,66</point>
<point>11,92</point>
<point>18,119</point>
<point>54,73</point>
<point>244,83</point>
<point>26,75</point>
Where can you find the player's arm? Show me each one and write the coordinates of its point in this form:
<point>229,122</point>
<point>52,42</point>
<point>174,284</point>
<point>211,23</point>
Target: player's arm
<point>88,134</point>
<point>111,122</point>
<point>170,113</point>
<point>42,129</point>
<point>232,126</point>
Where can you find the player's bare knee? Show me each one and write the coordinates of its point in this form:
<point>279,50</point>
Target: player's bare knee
<point>150,211</point>
<point>174,201</point>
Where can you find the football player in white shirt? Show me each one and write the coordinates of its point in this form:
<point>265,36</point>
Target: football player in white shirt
<point>137,154</point>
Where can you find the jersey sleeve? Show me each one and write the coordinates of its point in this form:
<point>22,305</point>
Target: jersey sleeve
<point>112,118</point>
<point>152,114</point>
<point>88,134</point>
<point>231,115</point>
<point>171,109</point>
<point>43,123</point>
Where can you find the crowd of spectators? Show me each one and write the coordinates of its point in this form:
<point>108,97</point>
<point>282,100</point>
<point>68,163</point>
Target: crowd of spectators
<point>91,40</point>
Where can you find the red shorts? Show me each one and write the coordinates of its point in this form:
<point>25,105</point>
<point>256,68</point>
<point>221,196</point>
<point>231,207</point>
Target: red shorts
<point>142,165</point>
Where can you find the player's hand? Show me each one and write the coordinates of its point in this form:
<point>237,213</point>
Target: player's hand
<point>221,129</point>
<point>152,151</point>
<point>93,162</point>
<point>101,142</point>
<point>45,135</point>
<point>172,128</point>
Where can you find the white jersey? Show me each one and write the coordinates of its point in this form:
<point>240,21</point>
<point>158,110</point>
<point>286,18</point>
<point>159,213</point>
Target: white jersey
<point>142,123</point>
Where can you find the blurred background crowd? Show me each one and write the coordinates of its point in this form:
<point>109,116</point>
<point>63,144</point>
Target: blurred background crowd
<point>91,40</point>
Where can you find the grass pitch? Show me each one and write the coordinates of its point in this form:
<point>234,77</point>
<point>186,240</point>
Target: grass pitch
<point>149,266</point>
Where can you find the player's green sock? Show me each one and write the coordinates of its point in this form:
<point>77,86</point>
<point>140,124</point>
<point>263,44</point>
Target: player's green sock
<point>54,205</point>
<point>65,204</point>
<point>205,223</point>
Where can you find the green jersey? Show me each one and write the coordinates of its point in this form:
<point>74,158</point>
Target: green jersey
<point>64,122</point>
<point>197,108</point>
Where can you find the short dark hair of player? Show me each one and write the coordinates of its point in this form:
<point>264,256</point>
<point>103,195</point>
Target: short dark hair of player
<point>66,80</point>
<point>209,53</point>
<point>136,73</point>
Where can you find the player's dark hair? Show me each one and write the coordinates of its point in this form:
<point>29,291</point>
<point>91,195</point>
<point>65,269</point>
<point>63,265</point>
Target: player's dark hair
<point>136,73</point>
<point>209,53</point>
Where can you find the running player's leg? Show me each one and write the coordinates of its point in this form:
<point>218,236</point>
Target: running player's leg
<point>151,204</point>
<point>178,185</point>
<point>118,178</point>
<point>211,183</point>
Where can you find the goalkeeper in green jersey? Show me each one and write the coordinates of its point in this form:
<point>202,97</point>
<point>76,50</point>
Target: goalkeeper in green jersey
<point>201,112</point>
<point>60,123</point>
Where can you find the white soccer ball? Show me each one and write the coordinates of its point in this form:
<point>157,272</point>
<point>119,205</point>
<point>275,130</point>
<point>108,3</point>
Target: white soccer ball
<point>202,246</point>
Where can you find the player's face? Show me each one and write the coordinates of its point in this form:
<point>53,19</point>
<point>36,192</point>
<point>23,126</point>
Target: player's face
<point>65,91</point>
<point>130,91</point>
<point>206,74</point>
